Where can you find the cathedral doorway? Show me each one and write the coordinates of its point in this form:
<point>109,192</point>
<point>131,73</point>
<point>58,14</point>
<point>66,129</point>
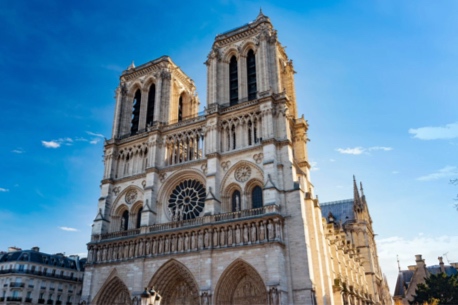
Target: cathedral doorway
<point>114,293</point>
<point>176,284</point>
<point>240,284</point>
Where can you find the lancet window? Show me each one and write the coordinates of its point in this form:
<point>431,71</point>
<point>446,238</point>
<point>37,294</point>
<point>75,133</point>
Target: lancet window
<point>151,102</point>
<point>251,75</point>
<point>233,81</point>
<point>240,132</point>
<point>180,108</point>
<point>131,161</point>
<point>183,147</point>
<point>124,221</point>
<point>256,197</point>
<point>135,112</point>
<point>139,217</point>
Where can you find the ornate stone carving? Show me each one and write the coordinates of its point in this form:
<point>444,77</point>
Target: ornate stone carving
<point>131,196</point>
<point>116,190</point>
<point>144,183</point>
<point>258,157</point>
<point>242,173</point>
<point>225,165</point>
<point>204,168</point>
<point>162,176</point>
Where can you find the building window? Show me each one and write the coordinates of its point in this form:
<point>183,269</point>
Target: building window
<point>235,201</point>
<point>135,112</point>
<point>251,75</point>
<point>124,221</point>
<point>20,268</point>
<point>151,100</point>
<point>256,197</point>
<point>180,108</point>
<point>233,81</point>
<point>139,217</point>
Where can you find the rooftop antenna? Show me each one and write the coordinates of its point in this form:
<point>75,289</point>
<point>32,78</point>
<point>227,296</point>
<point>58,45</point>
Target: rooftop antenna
<point>399,265</point>
<point>445,254</point>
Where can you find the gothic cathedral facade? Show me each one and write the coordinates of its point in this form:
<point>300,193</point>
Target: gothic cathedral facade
<point>216,207</point>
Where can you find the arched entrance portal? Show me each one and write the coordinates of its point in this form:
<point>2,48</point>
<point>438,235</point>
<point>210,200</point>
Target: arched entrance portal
<point>114,292</point>
<point>176,284</point>
<point>240,284</point>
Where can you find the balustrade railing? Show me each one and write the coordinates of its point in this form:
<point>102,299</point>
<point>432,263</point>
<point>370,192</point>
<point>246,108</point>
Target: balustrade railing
<point>234,229</point>
<point>268,209</point>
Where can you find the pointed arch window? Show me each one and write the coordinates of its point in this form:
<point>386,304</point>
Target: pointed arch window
<point>235,200</point>
<point>256,197</point>
<point>151,102</point>
<point>233,81</point>
<point>124,221</point>
<point>139,218</point>
<point>135,112</point>
<point>180,108</point>
<point>251,75</point>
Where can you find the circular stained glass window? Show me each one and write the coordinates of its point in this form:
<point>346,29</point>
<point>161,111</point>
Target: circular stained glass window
<point>187,200</point>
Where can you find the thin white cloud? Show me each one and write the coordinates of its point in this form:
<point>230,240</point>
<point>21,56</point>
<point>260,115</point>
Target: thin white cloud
<point>332,160</point>
<point>446,172</point>
<point>362,150</point>
<point>50,144</point>
<point>449,131</point>
<point>95,141</point>
<point>68,229</point>
<point>18,151</point>
<point>3,190</point>
<point>384,148</point>
<point>351,151</point>
<point>314,166</point>
<point>95,134</point>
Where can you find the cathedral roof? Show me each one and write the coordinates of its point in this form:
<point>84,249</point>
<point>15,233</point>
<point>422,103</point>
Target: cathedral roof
<point>34,256</point>
<point>341,210</point>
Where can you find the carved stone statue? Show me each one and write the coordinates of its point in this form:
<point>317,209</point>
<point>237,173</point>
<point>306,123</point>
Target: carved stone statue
<point>207,239</point>
<point>253,233</point>
<point>270,230</point>
<point>237,235</point>
<point>215,237</point>
<point>200,243</point>
<point>245,234</point>
<point>222,237</point>
<point>229,236</point>
<point>262,231</point>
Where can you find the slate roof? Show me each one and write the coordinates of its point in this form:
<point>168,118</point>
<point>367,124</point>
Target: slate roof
<point>55,260</point>
<point>405,276</point>
<point>342,210</point>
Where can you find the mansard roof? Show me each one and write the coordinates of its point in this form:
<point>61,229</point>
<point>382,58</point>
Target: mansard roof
<point>341,210</point>
<point>54,260</point>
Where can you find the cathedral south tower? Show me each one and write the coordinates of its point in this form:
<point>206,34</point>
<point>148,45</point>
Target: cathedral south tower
<point>212,207</point>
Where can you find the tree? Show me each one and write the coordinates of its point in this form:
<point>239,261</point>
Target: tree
<point>437,289</point>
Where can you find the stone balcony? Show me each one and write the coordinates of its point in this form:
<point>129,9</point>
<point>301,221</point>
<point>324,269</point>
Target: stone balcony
<point>235,229</point>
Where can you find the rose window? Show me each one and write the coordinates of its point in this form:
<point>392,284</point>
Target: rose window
<point>187,200</point>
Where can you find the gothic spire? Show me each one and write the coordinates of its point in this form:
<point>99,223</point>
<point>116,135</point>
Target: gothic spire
<point>355,192</point>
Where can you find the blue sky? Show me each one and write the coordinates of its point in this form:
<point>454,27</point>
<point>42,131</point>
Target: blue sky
<point>377,81</point>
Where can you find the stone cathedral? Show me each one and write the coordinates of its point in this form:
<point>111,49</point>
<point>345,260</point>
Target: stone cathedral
<point>218,207</point>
